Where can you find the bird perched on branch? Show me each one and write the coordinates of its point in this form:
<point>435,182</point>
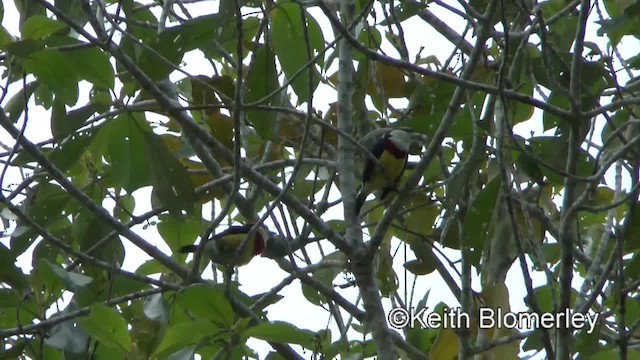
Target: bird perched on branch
<point>391,153</point>
<point>225,247</point>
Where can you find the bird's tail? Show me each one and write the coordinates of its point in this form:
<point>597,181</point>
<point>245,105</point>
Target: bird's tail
<point>188,249</point>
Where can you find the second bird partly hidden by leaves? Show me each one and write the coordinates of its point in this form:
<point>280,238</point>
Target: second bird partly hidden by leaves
<point>223,247</point>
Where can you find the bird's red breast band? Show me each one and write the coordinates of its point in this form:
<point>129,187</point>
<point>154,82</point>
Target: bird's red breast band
<point>391,148</point>
<point>260,244</point>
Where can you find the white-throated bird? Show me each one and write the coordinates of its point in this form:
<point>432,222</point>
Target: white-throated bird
<point>223,247</point>
<point>391,152</point>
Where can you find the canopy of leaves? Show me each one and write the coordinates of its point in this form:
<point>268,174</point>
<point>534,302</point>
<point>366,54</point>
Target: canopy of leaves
<point>133,130</point>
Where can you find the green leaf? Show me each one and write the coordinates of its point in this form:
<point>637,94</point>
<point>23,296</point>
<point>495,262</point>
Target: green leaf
<point>612,354</point>
<point>10,273</point>
<point>553,151</point>
<point>89,228</point>
<point>126,205</point>
<point>67,336</point>
<point>633,240</point>
<point>15,105</point>
<point>478,218</point>
<point>155,307</point>
<point>228,34</point>
<point>324,276</point>
<point>282,332</point>
<point>520,111</point>
<point>179,232</point>
<point>108,327</point>
<point>371,38</point>
<point>407,9</point>
<point>180,335</point>
<point>64,123</point>
<point>126,151</point>
<point>289,45</point>
<point>53,67</point>
<point>171,182</point>
<point>72,9</point>
<point>94,66</point>
<point>262,80</point>
<point>159,54</point>
<point>24,48</point>
<point>72,281</point>
<point>207,303</point>
<point>197,32</point>
<point>150,267</point>
<point>46,204</point>
<point>40,26</point>
<point>385,275</point>
<point>69,152</point>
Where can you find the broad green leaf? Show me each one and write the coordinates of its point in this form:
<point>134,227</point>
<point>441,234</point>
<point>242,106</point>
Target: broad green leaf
<point>10,273</point>
<point>125,207</point>
<point>150,267</point>
<point>180,335</point>
<point>519,111</point>
<point>179,232</point>
<point>93,65</point>
<point>126,151</point>
<point>46,204</point>
<point>612,354</point>
<point>40,26</point>
<point>146,334</point>
<point>325,276</point>
<point>27,9</point>
<point>197,32</point>
<point>207,303</point>
<point>262,80</point>
<point>633,241</point>
<point>419,221</point>
<point>53,67</point>
<point>108,327</point>
<point>71,280</point>
<point>64,122</point>
<point>24,48</point>
<point>228,34</point>
<point>89,228</point>
<point>15,105</point>
<point>171,182</point>
<point>73,10</point>
<point>282,332</point>
<point>405,10</point>
<point>156,308</point>
<point>68,153</point>
<point>385,275</point>
<point>478,218</point>
<point>287,32</point>
<point>67,336</point>
<point>553,151</point>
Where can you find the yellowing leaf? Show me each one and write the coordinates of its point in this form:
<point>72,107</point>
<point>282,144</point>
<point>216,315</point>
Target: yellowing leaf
<point>291,128</point>
<point>222,128</point>
<point>422,213</point>
<point>200,176</point>
<point>391,80</point>
<point>445,347</point>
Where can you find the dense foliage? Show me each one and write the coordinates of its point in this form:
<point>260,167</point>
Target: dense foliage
<point>137,127</point>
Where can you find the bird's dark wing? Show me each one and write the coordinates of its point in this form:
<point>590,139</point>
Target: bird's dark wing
<point>188,249</point>
<point>370,165</point>
<point>234,229</point>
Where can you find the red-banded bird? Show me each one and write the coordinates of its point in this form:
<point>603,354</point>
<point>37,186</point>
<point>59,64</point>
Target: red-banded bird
<point>223,247</point>
<point>392,152</point>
